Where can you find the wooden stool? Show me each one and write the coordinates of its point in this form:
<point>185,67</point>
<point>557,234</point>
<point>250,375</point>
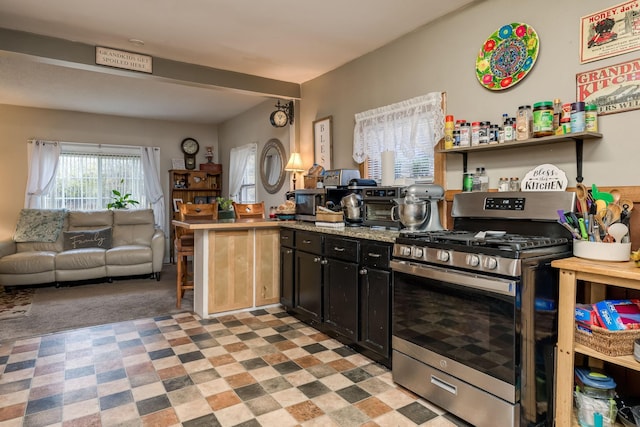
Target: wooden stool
<point>184,243</point>
<point>249,210</point>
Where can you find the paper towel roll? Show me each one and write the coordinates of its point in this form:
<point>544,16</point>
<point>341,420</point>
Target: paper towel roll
<point>388,167</point>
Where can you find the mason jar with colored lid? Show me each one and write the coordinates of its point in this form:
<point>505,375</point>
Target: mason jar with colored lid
<point>542,119</point>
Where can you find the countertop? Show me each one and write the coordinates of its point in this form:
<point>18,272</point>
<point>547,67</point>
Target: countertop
<point>357,232</point>
<point>239,224</point>
<point>227,224</point>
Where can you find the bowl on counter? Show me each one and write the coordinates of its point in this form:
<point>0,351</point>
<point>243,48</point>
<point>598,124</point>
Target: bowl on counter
<point>285,216</point>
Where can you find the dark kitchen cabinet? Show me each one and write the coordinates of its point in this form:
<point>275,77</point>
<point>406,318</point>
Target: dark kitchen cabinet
<point>287,261</point>
<point>341,296</point>
<point>375,301</point>
<point>308,277</point>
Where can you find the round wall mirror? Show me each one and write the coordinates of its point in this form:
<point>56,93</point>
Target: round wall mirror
<point>272,162</point>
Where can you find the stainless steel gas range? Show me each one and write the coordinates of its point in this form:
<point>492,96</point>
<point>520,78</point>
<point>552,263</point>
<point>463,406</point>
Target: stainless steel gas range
<point>475,308</point>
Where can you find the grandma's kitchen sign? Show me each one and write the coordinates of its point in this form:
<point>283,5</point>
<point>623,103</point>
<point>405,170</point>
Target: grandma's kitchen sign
<point>545,177</point>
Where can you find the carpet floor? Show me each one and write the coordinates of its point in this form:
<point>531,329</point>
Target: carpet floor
<point>81,305</point>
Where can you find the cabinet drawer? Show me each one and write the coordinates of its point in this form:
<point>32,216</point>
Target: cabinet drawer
<point>343,249</point>
<point>376,255</point>
<point>309,242</point>
<point>287,238</point>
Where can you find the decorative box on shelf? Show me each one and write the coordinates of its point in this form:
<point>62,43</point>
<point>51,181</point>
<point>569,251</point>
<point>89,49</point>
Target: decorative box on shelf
<point>197,180</point>
<point>311,181</point>
<point>211,167</point>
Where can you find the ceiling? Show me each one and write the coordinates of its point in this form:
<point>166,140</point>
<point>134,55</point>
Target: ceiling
<point>286,40</point>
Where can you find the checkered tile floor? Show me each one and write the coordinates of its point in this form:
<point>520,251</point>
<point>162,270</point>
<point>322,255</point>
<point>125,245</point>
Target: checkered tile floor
<point>263,368</point>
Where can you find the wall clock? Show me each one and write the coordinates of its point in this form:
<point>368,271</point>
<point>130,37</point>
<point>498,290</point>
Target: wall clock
<point>189,147</point>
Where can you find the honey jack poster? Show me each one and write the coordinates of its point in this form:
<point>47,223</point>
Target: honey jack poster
<point>610,32</point>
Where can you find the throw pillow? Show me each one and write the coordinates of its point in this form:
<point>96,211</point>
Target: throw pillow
<point>39,225</point>
<point>100,238</point>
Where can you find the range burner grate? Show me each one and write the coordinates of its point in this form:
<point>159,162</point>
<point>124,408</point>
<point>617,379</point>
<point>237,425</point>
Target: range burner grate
<point>490,239</point>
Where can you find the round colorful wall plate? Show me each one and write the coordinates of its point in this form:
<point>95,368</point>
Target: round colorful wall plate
<point>507,56</point>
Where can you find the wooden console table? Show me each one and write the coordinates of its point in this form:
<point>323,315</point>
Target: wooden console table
<point>600,274</point>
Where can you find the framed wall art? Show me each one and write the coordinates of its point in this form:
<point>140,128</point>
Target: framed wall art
<point>322,142</point>
<point>610,32</point>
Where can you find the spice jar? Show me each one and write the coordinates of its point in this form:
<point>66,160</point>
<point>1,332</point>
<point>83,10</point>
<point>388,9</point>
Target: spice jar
<point>591,118</point>
<point>475,133</point>
<point>503,184</point>
<point>465,134</point>
<point>514,184</point>
<point>577,117</point>
<point>523,123</point>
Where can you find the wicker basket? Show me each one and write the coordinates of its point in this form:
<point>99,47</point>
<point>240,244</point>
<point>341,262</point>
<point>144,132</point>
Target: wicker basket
<point>329,216</point>
<point>610,343</point>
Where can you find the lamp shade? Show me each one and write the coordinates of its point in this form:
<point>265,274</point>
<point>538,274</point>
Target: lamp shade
<point>294,164</point>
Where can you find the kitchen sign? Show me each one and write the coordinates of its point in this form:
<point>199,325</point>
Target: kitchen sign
<point>545,177</point>
<point>613,89</point>
<point>123,59</point>
<point>610,32</point>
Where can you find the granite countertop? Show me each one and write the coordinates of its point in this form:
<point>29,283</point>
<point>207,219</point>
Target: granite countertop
<point>357,232</point>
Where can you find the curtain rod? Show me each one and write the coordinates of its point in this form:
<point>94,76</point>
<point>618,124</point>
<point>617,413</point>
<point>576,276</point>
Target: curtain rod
<point>88,144</point>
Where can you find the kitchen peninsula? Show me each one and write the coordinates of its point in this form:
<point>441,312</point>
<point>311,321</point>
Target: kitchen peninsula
<point>235,265</point>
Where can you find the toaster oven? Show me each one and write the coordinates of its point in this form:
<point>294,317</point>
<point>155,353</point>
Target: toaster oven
<point>377,203</point>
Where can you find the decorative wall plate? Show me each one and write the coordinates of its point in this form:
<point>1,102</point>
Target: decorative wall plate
<point>507,56</point>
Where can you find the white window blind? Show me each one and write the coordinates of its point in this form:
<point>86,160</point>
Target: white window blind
<point>87,174</point>
<point>410,129</point>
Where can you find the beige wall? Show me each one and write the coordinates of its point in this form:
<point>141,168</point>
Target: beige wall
<point>254,126</point>
<point>441,57</point>
<point>18,124</point>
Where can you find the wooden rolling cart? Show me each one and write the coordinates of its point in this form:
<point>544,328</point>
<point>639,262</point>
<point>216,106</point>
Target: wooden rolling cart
<point>598,275</point>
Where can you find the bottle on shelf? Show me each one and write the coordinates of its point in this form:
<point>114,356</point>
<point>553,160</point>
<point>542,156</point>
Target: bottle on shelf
<point>557,113</point>
<point>449,126</point>
<point>484,180</point>
<point>523,123</point>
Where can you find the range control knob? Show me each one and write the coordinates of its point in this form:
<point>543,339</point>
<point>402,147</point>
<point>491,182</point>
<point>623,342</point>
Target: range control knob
<point>405,251</point>
<point>490,263</point>
<point>473,260</point>
<point>443,256</point>
<point>418,252</point>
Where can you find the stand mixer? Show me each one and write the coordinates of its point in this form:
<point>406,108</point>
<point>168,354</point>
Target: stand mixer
<point>431,194</point>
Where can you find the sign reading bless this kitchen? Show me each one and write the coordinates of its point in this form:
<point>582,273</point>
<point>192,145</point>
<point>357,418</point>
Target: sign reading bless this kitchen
<point>122,59</point>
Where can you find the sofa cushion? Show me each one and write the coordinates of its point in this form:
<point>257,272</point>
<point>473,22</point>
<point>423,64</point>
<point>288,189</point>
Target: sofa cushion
<point>87,220</point>
<point>78,259</point>
<point>129,255</point>
<point>133,227</point>
<point>39,225</point>
<point>100,238</point>
<point>28,262</point>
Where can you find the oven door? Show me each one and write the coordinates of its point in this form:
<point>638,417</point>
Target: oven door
<point>463,324</point>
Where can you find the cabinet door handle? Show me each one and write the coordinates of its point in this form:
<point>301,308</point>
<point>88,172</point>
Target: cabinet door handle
<point>324,262</point>
<point>289,251</point>
<point>306,242</point>
<point>316,259</point>
<point>374,255</point>
<point>337,249</point>
<point>363,271</point>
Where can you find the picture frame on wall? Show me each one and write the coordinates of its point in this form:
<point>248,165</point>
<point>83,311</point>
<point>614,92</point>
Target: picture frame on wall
<point>200,200</point>
<point>322,142</point>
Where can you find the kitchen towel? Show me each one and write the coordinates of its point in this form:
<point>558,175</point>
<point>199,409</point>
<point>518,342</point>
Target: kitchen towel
<point>388,167</point>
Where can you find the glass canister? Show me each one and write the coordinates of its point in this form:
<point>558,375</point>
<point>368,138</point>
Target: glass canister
<point>503,184</point>
<point>542,119</point>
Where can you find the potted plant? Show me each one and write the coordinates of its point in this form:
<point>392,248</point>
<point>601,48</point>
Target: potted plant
<point>121,201</point>
<point>225,208</point>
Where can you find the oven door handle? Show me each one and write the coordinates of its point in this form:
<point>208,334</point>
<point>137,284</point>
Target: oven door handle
<point>485,283</point>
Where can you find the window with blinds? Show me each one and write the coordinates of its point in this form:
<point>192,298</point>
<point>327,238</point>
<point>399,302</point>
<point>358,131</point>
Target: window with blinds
<point>87,174</point>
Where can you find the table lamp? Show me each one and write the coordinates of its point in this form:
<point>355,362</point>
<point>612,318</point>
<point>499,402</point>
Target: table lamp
<point>294,165</point>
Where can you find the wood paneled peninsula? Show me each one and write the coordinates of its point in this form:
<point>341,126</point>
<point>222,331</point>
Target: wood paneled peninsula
<point>237,262</point>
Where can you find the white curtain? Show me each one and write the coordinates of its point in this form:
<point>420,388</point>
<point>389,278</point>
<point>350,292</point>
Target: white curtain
<point>377,130</point>
<point>237,166</point>
<point>42,157</point>
<point>150,157</point>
